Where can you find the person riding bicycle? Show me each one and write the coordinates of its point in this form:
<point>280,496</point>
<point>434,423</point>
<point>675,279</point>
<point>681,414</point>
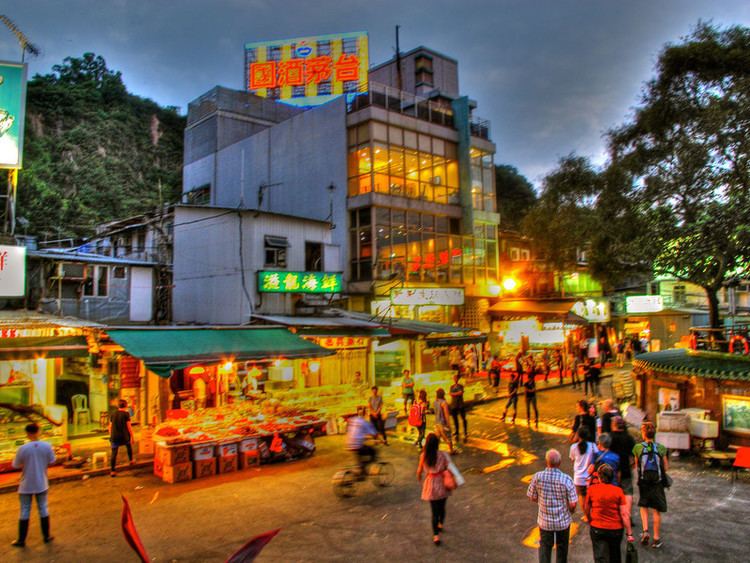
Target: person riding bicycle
<point>357,432</point>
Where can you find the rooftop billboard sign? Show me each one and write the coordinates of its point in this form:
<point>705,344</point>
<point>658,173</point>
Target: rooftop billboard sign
<point>12,109</point>
<point>308,71</point>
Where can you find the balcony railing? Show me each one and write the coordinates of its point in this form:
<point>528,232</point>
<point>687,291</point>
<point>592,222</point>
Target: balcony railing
<point>480,128</point>
<point>392,99</point>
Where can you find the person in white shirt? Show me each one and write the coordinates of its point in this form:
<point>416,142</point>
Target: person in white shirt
<point>33,458</point>
<point>582,454</point>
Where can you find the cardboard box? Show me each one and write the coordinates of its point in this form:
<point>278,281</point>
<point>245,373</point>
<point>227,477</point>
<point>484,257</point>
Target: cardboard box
<point>227,464</point>
<point>177,473</point>
<point>202,452</point>
<point>146,442</point>
<point>173,455</point>
<point>249,459</point>
<point>158,467</point>
<point>204,468</point>
<point>226,450</point>
<point>249,445</point>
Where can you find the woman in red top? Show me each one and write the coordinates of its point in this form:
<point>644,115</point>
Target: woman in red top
<point>434,463</point>
<point>607,514</point>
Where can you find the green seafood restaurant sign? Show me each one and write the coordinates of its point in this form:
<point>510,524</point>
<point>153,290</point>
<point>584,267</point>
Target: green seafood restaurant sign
<point>12,107</point>
<point>299,282</point>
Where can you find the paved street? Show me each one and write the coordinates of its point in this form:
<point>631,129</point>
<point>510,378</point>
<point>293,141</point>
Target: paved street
<point>487,519</point>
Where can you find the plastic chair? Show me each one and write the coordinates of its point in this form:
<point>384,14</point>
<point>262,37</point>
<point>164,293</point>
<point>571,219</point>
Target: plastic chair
<point>80,407</point>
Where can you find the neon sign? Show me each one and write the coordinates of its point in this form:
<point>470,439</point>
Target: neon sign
<point>308,71</point>
<point>299,282</point>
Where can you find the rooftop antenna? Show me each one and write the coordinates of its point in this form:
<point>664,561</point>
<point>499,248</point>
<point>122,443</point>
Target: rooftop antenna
<point>399,81</point>
<point>23,41</point>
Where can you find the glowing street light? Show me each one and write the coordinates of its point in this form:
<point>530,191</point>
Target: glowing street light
<point>510,284</point>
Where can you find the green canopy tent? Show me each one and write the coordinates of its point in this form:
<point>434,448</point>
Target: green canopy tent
<point>165,350</point>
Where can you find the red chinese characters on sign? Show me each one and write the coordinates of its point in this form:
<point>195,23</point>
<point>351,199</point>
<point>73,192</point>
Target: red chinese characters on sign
<point>342,342</point>
<point>298,72</point>
<point>262,75</point>
<point>291,73</point>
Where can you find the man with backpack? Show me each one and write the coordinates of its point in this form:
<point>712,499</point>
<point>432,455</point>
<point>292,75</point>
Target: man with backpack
<point>651,465</point>
<point>418,417</point>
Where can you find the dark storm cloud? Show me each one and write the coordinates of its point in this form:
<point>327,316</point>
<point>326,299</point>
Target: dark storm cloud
<point>551,75</point>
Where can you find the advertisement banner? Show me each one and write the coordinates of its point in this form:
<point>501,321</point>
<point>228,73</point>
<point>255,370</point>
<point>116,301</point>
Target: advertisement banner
<point>308,71</point>
<point>12,113</point>
<point>427,296</point>
<point>12,271</point>
<point>299,282</point>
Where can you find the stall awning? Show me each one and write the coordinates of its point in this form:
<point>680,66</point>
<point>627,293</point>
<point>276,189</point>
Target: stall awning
<point>33,347</point>
<point>710,365</point>
<point>526,308</point>
<point>326,326</point>
<point>164,350</point>
<point>435,334</point>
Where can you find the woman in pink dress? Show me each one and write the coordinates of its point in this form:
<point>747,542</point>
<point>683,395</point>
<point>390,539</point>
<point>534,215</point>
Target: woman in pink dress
<point>433,462</point>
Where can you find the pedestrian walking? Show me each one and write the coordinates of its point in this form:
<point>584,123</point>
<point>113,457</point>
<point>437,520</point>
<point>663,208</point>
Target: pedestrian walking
<point>375,403</point>
<point>622,445</point>
<point>513,385</point>
<point>33,459</point>
<point>573,362</point>
<point>608,517</point>
<point>530,396</point>
<point>546,363</point>
<point>651,465</point>
<point>556,496</point>
<point>591,375</point>
<point>582,455</point>
<point>557,357</point>
<point>606,456</point>
<point>495,369</point>
<point>454,358</point>
<point>442,417</point>
<point>620,353</point>
<point>407,390</point>
<point>583,419</point>
<point>434,464</point>
<point>120,434</point>
<point>422,404</point>
<point>458,407</point>
<point>610,411</point>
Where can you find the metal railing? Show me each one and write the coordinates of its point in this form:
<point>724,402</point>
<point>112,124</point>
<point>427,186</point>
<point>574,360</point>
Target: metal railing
<point>405,103</point>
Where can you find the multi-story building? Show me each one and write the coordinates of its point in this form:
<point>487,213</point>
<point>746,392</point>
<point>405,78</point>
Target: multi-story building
<point>403,173</point>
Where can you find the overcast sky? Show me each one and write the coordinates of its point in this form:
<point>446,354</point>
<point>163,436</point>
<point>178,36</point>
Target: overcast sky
<point>551,75</point>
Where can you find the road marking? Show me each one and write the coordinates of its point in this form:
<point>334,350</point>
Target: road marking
<point>532,538</point>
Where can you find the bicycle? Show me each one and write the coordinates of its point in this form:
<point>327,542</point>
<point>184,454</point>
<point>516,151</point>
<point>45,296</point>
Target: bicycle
<point>346,481</point>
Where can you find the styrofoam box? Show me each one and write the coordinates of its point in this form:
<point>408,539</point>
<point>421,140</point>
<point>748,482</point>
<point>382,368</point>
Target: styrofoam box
<point>695,413</point>
<point>249,445</point>
<point>704,428</point>
<point>226,450</point>
<point>204,452</point>
<point>674,440</point>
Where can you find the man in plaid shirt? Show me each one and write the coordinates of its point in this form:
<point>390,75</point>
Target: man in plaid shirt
<point>556,496</point>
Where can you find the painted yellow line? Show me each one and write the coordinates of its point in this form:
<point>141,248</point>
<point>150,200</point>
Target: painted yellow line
<point>532,538</point>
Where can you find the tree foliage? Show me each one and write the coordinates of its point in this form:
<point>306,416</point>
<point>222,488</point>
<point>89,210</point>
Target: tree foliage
<point>686,154</point>
<point>94,152</point>
<point>515,196</point>
<point>563,219</point>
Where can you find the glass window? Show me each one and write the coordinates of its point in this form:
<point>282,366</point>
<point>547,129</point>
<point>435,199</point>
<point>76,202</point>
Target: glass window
<point>364,161</point>
<point>451,152</point>
<point>363,133</point>
<point>383,217</point>
<point>451,169</point>
<point>380,157</point>
<point>352,136</point>
<point>413,221</point>
<point>396,159</point>
<point>441,224</point>
<point>381,184</point>
<point>364,216</point>
<point>428,223</point>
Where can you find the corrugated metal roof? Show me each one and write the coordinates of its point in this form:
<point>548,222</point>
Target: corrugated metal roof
<point>327,322</point>
<point>711,365</point>
<point>87,258</point>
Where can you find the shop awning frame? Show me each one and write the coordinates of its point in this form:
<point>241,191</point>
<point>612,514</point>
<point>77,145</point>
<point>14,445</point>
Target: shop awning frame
<point>167,349</point>
<point>521,308</point>
<point>326,325</point>
<point>35,347</point>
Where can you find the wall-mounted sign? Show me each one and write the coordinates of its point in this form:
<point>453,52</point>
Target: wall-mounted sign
<point>427,296</point>
<point>299,282</point>
<point>593,310</point>
<point>12,271</point>
<point>340,342</point>
<point>644,304</point>
<point>12,110</point>
<point>308,71</point>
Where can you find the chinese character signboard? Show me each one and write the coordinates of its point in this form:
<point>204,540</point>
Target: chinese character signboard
<point>299,282</point>
<point>593,310</point>
<point>340,342</point>
<point>12,271</point>
<point>644,304</point>
<point>427,296</point>
<point>308,71</point>
<point>12,109</point>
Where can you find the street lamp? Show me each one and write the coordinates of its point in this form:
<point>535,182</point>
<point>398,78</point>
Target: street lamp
<point>510,284</point>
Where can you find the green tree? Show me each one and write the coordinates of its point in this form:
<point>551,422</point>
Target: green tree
<point>685,154</point>
<point>515,196</point>
<point>94,152</point>
<point>563,219</point>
